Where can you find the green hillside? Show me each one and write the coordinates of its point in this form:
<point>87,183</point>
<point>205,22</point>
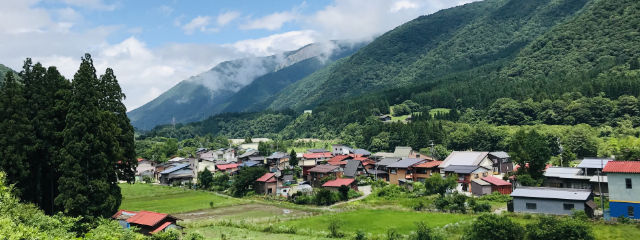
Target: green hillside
<point>3,70</point>
<point>447,42</point>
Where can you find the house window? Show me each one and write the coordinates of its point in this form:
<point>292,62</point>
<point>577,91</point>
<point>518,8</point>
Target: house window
<point>476,175</point>
<point>568,206</point>
<point>630,211</point>
<point>421,171</point>
<point>484,174</point>
<point>531,206</point>
<point>393,171</point>
<point>580,185</point>
<point>629,185</point>
<point>417,155</point>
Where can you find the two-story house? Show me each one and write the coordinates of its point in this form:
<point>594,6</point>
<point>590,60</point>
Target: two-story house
<point>319,172</point>
<point>426,170</point>
<point>403,170</point>
<point>468,158</point>
<point>380,169</point>
<point>501,162</point>
<point>278,160</point>
<point>466,174</point>
<point>624,188</point>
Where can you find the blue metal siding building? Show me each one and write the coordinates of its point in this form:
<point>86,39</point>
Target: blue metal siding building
<point>624,188</point>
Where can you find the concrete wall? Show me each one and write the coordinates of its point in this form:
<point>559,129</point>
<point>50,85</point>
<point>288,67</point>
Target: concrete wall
<point>618,188</point>
<point>548,206</point>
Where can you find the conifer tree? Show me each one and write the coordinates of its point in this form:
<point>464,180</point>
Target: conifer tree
<point>111,101</point>
<point>293,158</point>
<point>88,185</point>
<point>16,135</point>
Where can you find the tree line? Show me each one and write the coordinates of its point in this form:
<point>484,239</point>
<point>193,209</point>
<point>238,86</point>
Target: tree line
<point>64,145</point>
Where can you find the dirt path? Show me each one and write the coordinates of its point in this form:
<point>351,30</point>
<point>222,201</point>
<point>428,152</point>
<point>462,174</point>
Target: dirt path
<point>366,190</point>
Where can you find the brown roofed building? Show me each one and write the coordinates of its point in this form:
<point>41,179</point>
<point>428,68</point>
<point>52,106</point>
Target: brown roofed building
<point>319,172</point>
<point>267,184</point>
<point>425,170</point>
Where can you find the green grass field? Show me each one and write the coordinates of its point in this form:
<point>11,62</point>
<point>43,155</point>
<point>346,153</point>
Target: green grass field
<point>169,199</point>
<point>215,232</point>
<point>439,110</point>
<point>378,221</point>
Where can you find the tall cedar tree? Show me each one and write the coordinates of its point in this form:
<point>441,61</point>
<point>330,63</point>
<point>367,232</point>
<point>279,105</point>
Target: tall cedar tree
<point>293,158</point>
<point>111,101</point>
<point>88,185</point>
<point>46,91</point>
<point>16,138</point>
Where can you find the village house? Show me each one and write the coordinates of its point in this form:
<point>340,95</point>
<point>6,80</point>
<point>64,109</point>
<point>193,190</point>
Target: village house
<point>227,168</point>
<point>488,185</point>
<point>466,174</point>
<point>555,201</point>
<point>278,161</point>
<point>321,171</point>
<point>181,172</point>
<point>599,182</point>
<point>624,188</point>
<point>468,159</point>
<point>402,170</point>
<point>148,223</point>
<point>384,118</point>
<point>354,168</point>
<point>222,154</point>
<point>381,171</point>
<point>333,185</point>
<point>267,184</point>
<point>566,177</point>
<point>426,170</point>
<point>146,168</point>
<point>317,150</point>
<point>501,162</point>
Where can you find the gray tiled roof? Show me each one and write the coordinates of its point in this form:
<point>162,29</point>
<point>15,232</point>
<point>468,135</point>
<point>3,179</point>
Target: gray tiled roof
<point>402,152</point>
<point>318,150</point>
<point>405,163</point>
<point>482,183</point>
<point>247,153</point>
<point>387,161</point>
<point>176,168</point>
<point>351,168</point>
<point>553,193</point>
<point>362,151</point>
<point>594,162</point>
<point>464,169</point>
<point>278,155</point>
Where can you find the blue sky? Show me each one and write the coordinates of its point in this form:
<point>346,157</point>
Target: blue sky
<point>154,44</point>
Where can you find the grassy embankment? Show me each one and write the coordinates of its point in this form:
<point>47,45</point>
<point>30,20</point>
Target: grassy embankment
<point>166,199</point>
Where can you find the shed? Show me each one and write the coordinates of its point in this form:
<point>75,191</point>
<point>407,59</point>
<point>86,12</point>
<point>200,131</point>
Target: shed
<point>556,201</point>
<point>498,185</point>
<point>480,187</point>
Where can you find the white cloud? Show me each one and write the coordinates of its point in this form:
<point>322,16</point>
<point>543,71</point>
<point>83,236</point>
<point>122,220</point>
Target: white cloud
<point>199,23</point>
<point>177,21</point>
<point>164,10</point>
<point>270,22</point>
<point>93,4</point>
<point>402,5</point>
<point>275,43</point>
<point>227,17</point>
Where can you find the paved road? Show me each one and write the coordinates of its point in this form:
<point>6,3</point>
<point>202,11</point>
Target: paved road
<point>366,190</point>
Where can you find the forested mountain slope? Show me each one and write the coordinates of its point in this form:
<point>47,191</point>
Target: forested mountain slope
<point>446,42</point>
<point>263,88</point>
<point>3,70</point>
<point>215,91</point>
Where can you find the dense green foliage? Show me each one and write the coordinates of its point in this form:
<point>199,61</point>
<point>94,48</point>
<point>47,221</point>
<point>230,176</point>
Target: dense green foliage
<point>3,71</point>
<point>243,181</point>
<point>552,228</point>
<point>495,227</point>
<point>64,145</point>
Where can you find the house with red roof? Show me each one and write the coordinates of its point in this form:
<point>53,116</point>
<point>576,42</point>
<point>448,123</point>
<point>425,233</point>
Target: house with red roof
<point>624,188</point>
<point>227,168</point>
<point>426,170</point>
<point>319,172</point>
<point>333,185</point>
<point>267,184</point>
<point>148,223</point>
<point>490,184</point>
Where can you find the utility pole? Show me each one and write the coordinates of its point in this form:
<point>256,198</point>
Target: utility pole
<point>431,149</point>
<point>561,150</point>
<point>600,186</point>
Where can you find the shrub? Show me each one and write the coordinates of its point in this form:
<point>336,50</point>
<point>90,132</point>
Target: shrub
<point>324,197</point>
<point>579,215</point>
<point>420,205</point>
<point>334,227</point>
<point>176,183</point>
<point>392,234</point>
<point>496,197</point>
<point>379,184</point>
<point>194,236</point>
<point>147,179</point>
<point>170,234</point>
<point>479,207</point>
<point>623,220</point>
<point>424,233</point>
<point>495,227</point>
<point>344,192</point>
<point>354,194</point>
<point>554,228</point>
<point>361,235</point>
<point>189,184</point>
<point>390,191</point>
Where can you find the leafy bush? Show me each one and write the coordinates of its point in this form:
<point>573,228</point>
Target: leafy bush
<point>423,232</point>
<point>479,206</point>
<point>623,220</point>
<point>360,235</point>
<point>495,227</point>
<point>194,236</point>
<point>390,191</point>
<point>579,215</point>
<point>147,179</point>
<point>344,192</point>
<point>176,183</point>
<point>169,234</point>
<point>325,197</point>
<point>400,110</point>
<point>392,234</point>
<point>379,184</point>
<point>554,228</point>
<point>189,184</point>
<point>496,197</point>
<point>334,227</point>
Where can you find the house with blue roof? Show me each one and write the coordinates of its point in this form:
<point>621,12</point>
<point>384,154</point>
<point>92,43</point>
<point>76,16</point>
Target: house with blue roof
<point>181,172</point>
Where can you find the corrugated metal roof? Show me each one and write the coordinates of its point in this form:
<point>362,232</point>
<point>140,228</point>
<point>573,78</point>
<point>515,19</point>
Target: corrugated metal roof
<point>479,181</point>
<point>500,154</point>
<point>317,150</point>
<point>226,166</point>
<point>176,159</point>
<point>464,169</point>
<point>566,172</point>
<point>402,152</point>
<point>603,179</point>
<point>622,167</point>
<point>594,162</point>
<point>496,181</point>
<point>464,158</point>
<point>552,193</point>
<point>407,162</point>
<point>339,182</point>
<point>176,168</point>
<point>163,226</point>
<point>278,155</point>
<point>362,152</point>
<point>325,155</point>
<point>247,153</point>
<point>387,161</point>
<point>248,164</point>
<point>147,218</point>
